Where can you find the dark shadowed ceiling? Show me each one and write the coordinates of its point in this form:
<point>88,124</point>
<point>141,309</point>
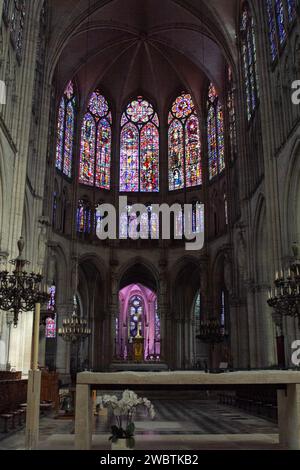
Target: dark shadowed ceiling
<point>153,47</point>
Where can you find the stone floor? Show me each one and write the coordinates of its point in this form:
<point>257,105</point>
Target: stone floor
<point>179,425</point>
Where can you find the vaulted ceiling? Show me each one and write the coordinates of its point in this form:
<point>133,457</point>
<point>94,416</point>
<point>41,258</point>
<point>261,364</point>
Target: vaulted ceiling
<point>154,47</point>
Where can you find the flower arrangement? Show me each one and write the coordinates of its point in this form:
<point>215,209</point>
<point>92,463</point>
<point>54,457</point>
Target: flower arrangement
<point>124,411</point>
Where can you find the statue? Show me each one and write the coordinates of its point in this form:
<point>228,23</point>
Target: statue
<point>42,244</point>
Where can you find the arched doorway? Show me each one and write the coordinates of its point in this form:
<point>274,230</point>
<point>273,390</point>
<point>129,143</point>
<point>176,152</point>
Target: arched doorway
<point>138,325</point>
<point>137,331</point>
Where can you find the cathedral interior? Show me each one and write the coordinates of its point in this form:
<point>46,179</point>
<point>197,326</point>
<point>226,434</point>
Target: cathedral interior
<point>189,105</point>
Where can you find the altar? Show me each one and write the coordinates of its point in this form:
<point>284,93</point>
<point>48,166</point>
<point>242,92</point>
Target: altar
<point>287,384</point>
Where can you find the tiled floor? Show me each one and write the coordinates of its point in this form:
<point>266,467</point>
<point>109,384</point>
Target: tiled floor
<point>179,425</point>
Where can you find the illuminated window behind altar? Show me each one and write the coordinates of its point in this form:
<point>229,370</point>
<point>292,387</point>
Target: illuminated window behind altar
<point>137,325</point>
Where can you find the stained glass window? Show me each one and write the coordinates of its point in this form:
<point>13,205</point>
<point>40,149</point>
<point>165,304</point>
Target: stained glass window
<point>291,6</point>
<point>65,131</point>
<point>135,317</point>
<point>95,152</point>
<point>198,218</point>
<point>84,217</point>
<point>50,332</point>
<point>249,60</point>
<point>272,28</point>
<point>223,310</point>
<point>279,14</point>
<point>280,18</point>
<point>17,23</point>
<point>139,154</point>
<point>98,219</point>
<point>231,114</point>
<point>184,144</point>
<point>215,133</point>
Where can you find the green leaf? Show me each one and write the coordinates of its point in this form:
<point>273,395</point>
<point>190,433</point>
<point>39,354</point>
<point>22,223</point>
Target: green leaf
<point>130,429</point>
<point>130,443</point>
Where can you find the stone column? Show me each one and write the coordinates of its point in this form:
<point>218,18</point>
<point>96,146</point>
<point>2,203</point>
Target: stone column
<point>83,418</point>
<point>289,417</point>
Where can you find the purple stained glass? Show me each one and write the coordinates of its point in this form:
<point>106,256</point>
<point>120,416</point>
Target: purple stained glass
<point>184,144</point>
<point>215,134</point>
<point>231,115</point>
<point>212,143</point>
<point>183,106</point>
<point>96,139</point>
<point>98,105</point>
<point>60,134</point>
<point>69,139</point>
<point>51,308</point>
<point>272,28</point>
<point>221,144</point>
<point>84,217</point>
<point>176,156</point>
<point>291,4</point>
<point>50,332</point>
<point>139,154</point>
<point>140,111</point>
<point>124,120</point>
<point>69,92</point>
<point>149,156</point>
<point>66,131</point>
<point>88,150</point>
<point>193,153</point>
<point>123,229</point>
<point>129,164</point>
<point>280,18</point>
<point>249,61</point>
<point>103,155</point>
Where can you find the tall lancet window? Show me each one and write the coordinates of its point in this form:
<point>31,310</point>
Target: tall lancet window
<point>17,23</point>
<point>280,13</point>
<point>248,43</point>
<point>65,131</point>
<point>95,152</point>
<point>139,154</point>
<point>215,133</point>
<point>184,145</point>
<point>231,113</point>
<point>291,7</point>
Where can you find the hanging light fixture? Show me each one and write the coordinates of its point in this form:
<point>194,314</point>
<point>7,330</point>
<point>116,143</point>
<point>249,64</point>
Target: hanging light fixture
<point>212,331</point>
<point>20,291</point>
<point>74,329</point>
<point>284,298</point>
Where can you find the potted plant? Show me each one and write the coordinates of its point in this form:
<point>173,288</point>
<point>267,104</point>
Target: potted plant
<point>124,411</point>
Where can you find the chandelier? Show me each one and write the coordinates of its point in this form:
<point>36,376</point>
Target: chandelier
<point>284,298</point>
<point>212,331</point>
<point>20,290</point>
<point>74,329</point>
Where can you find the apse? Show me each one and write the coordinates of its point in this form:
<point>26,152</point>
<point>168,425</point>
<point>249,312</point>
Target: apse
<point>138,325</point>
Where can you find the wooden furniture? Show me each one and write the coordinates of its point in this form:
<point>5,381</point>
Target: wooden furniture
<point>12,394</point>
<point>49,388</point>
<point>6,375</point>
<point>286,383</point>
